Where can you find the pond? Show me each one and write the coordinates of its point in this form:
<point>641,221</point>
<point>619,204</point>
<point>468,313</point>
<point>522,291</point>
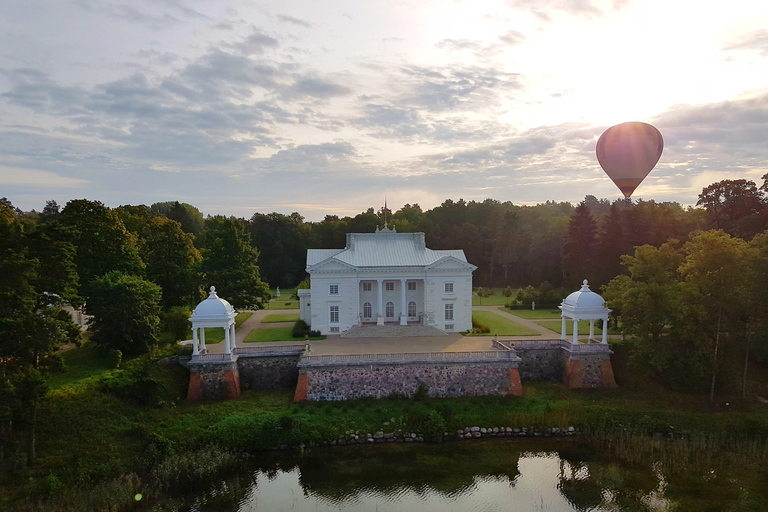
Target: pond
<point>484,475</point>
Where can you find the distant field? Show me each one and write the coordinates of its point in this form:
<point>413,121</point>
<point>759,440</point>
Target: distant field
<point>285,317</point>
<point>500,325</point>
<point>288,303</point>
<point>496,297</point>
<point>275,334</point>
<point>534,314</point>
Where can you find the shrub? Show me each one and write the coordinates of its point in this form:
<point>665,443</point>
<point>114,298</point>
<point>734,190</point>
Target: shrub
<point>176,322</point>
<point>115,357</point>
<point>301,329</point>
<point>433,427</point>
<point>421,393</point>
<point>480,292</point>
<point>479,328</point>
<point>508,291</point>
<point>138,386</point>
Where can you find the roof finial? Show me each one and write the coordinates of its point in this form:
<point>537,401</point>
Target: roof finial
<point>585,286</point>
<point>213,291</point>
<point>385,211</point>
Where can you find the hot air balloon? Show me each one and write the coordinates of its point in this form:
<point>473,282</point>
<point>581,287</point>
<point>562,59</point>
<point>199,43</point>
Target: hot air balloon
<point>627,152</point>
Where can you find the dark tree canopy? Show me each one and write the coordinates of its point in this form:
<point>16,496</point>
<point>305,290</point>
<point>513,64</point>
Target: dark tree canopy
<point>231,264</point>
<point>190,218</point>
<point>125,311</point>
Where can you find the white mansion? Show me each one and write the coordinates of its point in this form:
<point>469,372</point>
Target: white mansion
<point>387,277</point>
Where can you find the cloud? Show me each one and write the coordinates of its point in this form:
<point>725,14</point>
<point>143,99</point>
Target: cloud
<point>294,21</point>
<point>35,178</point>
<point>544,9</point>
<point>512,37</point>
<point>256,43</point>
<point>757,40</point>
<point>314,87</point>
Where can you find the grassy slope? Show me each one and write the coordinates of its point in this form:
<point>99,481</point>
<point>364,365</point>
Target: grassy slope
<point>500,325</point>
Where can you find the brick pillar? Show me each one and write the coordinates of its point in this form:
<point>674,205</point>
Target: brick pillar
<point>515,386</point>
<point>195,391</point>
<point>608,380</point>
<point>573,374</point>
<point>301,389</point>
<point>231,383</point>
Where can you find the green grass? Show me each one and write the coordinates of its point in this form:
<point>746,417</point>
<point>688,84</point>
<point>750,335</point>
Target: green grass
<point>214,335</point>
<point>493,297</point>
<point>285,317</point>
<point>500,325</point>
<point>533,314</point>
<point>84,364</point>
<point>288,303</point>
<point>556,325</point>
<point>275,334</point>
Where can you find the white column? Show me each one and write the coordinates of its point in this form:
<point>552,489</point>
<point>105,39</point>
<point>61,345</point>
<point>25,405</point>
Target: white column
<point>195,350</point>
<point>227,349</point>
<point>380,301</point>
<point>562,329</point>
<point>232,336</point>
<point>202,338</point>
<point>424,319</point>
<point>575,331</point>
<point>403,306</point>
<point>591,328</point>
<point>605,330</point>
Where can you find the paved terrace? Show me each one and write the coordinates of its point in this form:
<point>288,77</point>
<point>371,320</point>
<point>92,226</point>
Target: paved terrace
<point>453,342</point>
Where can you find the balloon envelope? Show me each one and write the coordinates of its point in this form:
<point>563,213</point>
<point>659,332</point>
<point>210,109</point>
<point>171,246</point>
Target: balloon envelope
<point>627,152</point>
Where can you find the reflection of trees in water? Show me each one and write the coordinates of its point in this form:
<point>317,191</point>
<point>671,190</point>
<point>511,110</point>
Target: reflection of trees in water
<point>586,478</point>
<point>448,469</point>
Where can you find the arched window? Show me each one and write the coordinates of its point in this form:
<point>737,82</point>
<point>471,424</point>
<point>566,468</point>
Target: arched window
<point>411,308</point>
<point>367,310</point>
<point>390,310</point>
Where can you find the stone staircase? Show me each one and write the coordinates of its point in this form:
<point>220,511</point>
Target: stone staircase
<point>391,331</point>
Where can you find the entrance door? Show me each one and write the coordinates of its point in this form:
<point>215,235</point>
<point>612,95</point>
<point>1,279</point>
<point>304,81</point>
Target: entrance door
<point>389,312</point>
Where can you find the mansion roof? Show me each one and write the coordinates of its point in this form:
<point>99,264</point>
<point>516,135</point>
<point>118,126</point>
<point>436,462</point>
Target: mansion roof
<point>385,248</point>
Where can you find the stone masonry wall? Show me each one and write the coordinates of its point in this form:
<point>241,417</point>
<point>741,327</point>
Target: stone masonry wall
<point>541,364</point>
<point>380,380</point>
<point>271,372</point>
<point>213,382</point>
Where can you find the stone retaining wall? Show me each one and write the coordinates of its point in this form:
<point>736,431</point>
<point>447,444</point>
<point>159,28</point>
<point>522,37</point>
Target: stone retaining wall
<point>213,381</point>
<point>541,363</point>
<point>268,372</point>
<point>348,382</point>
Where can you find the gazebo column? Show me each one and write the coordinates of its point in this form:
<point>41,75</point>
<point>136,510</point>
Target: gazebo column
<point>232,336</point>
<point>605,330</point>
<point>202,338</point>
<point>562,330</point>
<point>195,349</point>
<point>403,307</point>
<point>575,331</point>
<point>227,349</point>
<point>591,329</point>
<point>380,301</point>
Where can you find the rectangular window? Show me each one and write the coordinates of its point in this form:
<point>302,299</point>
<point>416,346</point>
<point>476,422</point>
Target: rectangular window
<point>449,311</point>
<point>334,314</point>
<point>390,287</point>
<point>448,287</point>
<point>334,329</point>
<point>366,287</point>
<point>334,289</point>
<point>411,285</point>
<point>448,327</point>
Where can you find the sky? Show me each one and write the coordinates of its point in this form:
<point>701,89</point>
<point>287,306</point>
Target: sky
<point>327,107</point>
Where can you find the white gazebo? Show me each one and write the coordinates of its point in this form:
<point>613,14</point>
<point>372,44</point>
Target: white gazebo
<point>584,305</point>
<point>213,312</point>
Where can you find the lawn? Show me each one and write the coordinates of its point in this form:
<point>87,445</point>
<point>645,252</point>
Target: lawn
<point>285,302</point>
<point>556,325</point>
<point>500,325</point>
<point>534,314</point>
<point>215,335</point>
<point>275,334</point>
<point>83,364</point>
<point>285,317</point>
<point>494,297</point>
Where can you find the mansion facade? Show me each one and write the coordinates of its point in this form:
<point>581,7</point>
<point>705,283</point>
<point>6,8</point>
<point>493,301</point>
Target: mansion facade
<point>387,277</point>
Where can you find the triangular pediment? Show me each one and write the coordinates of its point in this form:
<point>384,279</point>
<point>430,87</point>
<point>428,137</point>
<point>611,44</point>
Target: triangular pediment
<point>332,265</point>
<point>451,263</point>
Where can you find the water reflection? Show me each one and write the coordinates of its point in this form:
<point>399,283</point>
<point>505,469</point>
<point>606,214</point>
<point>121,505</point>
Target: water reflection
<point>494,475</point>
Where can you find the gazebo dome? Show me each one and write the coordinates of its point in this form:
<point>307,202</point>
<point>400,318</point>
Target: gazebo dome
<point>584,298</point>
<point>213,306</point>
